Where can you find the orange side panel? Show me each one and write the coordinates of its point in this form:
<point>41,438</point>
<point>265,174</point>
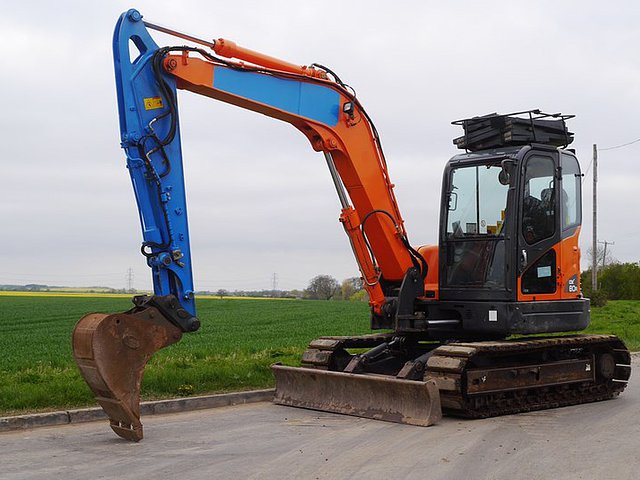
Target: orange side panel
<point>431,255</point>
<point>567,272</point>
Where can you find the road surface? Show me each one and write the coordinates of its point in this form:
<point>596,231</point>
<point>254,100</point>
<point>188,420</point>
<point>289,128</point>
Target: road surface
<point>265,441</point>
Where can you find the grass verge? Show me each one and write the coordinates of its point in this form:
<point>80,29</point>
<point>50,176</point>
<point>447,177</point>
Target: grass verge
<point>618,317</point>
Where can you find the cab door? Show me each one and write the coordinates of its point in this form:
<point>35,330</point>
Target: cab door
<point>539,228</point>
<point>570,198</point>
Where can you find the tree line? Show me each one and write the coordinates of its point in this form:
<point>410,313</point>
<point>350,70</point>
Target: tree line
<point>617,281</point>
<point>325,287</point>
<point>321,287</point>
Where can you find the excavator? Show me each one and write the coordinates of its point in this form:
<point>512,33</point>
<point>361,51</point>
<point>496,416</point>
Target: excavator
<point>457,324</point>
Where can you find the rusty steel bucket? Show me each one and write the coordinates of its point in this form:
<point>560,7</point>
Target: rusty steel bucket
<point>379,397</point>
<point>111,352</point>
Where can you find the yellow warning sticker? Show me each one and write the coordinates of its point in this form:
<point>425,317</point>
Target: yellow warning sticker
<point>152,103</point>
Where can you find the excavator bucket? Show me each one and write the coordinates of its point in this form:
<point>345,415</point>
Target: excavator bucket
<point>363,395</point>
<point>111,352</point>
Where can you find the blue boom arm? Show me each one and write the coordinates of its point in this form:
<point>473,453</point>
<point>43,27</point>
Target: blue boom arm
<point>152,146</point>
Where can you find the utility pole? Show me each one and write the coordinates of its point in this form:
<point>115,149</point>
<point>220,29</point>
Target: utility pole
<point>129,279</point>
<point>604,254</point>
<point>594,248</point>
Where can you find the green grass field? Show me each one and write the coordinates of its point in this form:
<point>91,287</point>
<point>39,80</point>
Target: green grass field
<point>233,350</point>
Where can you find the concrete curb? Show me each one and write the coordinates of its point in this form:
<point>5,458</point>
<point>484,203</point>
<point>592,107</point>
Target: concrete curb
<point>174,405</point>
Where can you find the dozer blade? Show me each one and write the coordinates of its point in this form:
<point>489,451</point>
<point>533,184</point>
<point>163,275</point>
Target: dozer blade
<point>370,396</point>
<point>111,352</point>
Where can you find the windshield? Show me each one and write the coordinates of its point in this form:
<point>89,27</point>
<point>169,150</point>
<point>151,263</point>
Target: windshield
<point>477,202</point>
<point>475,227</point>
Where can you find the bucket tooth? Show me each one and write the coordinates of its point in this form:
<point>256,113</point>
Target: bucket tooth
<point>111,352</point>
<point>379,397</point>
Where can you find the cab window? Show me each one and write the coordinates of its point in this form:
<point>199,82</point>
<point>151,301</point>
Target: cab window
<point>571,192</point>
<point>538,204</point>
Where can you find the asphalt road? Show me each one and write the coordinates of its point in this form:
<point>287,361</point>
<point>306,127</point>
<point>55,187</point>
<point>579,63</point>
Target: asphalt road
<point>264,441</point>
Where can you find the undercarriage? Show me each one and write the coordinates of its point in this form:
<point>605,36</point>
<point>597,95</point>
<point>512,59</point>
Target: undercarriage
<point>474,379</point>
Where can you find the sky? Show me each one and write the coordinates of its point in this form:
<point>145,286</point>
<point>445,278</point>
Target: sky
<point>260,200</point>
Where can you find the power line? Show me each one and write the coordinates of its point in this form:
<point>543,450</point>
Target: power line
<point>586,172</point>
<point>620,146</point>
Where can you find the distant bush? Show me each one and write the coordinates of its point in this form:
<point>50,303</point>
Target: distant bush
<point>359,296</point>
<point>598,298</point>
<point>618,281</point>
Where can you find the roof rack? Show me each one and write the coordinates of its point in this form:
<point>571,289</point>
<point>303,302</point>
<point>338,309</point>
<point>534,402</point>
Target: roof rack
<point>512,129</point>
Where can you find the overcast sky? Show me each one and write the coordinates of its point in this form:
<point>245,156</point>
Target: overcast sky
<point>260,199</point>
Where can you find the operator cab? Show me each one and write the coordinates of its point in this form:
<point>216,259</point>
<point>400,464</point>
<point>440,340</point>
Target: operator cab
<point>509,224</point>
<point>506,201</point>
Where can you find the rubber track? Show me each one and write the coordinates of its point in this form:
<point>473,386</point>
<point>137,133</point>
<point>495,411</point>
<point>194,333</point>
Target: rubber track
<point>449,363</point>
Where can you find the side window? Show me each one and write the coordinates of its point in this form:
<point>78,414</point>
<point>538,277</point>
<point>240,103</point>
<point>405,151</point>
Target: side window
<point>571,193</point>
<point>541,276</point>
<point>538,205</point>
